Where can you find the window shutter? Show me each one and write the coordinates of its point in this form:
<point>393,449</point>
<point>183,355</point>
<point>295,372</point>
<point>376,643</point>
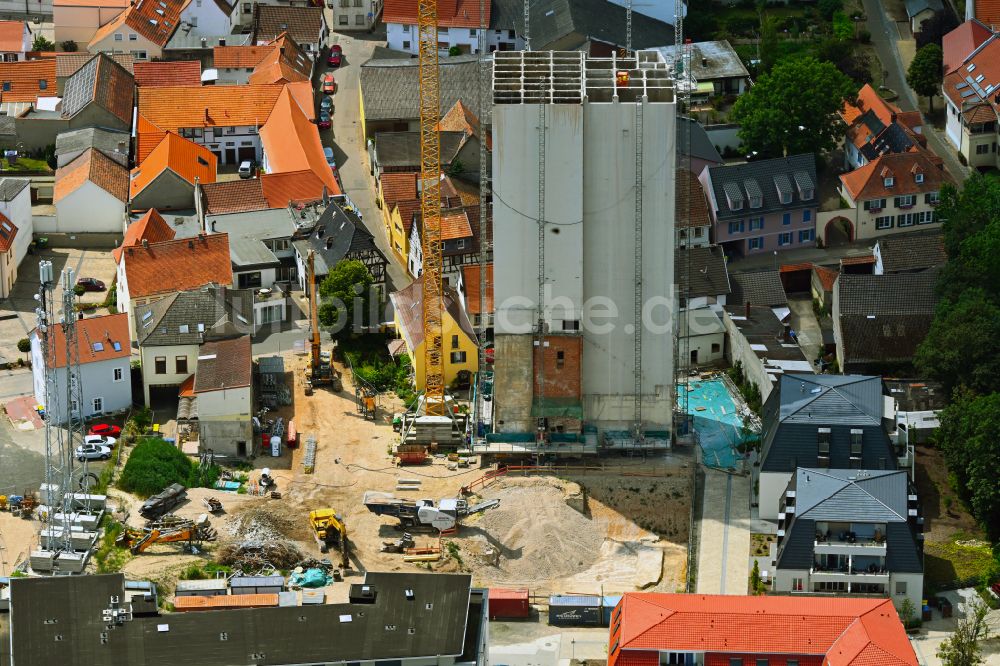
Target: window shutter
<point>896,200</point>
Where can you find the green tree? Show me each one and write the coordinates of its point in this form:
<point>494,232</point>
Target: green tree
<point>345,292</point>
<point>153,465</point>
<point>777,119</point>
<point>756,585</point>
<point>24,345</point>
<point>924,74</point>
<point>906,611</point>
<point>971,449</point>
<point>827,8</point>
<point>768,43</point>
<point>843,26</point>
<point>962,647</point>
<point>42,44</point>
<point>960,346</point>
<point>69,46</point>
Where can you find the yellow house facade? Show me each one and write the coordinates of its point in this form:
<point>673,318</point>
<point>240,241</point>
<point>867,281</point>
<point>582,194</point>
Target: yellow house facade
<point>397,195</point>
<point>460,349</point>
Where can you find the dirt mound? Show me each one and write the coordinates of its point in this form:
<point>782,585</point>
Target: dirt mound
<point>258,526</point>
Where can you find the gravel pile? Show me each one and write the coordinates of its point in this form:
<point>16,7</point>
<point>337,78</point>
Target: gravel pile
<point>257,527</point>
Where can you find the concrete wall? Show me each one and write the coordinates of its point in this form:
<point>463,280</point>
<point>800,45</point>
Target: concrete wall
<point>513,374</point>
<point>225,403</point>
<point>89,209</point>
<point>770,489</point>
<point>223,436</point>
<point>36,133</point>
<point>126,45</point>
<point>167,191</point>
<point>710,348</point>
<point>740,352</point>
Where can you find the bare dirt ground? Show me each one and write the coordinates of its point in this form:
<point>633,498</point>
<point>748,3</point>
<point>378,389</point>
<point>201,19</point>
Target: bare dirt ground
<point>17,537</point>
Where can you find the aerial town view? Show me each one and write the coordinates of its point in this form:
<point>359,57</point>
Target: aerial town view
<point>499,332</point>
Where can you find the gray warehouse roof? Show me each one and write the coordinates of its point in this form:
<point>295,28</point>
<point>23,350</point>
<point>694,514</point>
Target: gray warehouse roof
<point>758,288</point>
<point>912,251</point>
<point>402,149</point>
<point>844,399</point>
<point>389,88</point>
<point>553,22</point>
<point>712,60</point>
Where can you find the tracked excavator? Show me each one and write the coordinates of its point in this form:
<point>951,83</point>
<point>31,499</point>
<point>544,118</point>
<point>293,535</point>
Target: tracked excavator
<point>191,533</point>
<point>331,532</point>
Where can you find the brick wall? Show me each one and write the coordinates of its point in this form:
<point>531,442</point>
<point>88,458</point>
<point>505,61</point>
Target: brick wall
<point>562,366</point>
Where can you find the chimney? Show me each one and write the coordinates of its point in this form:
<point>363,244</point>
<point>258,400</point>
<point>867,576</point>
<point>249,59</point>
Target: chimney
<point>199,207</point>
<point>704,62</point>
<point>207,119</point>
<point>281,50</point>
<point>190,243</point>
<point>326,197</point>
<point>748,310</point>
<point>892,117</point>
<point>145,243</point>
<point>202,237</point>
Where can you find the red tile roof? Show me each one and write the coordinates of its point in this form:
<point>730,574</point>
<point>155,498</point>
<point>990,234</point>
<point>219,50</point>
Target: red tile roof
<point>451,13</point>
<point>962,41</point>
<point>234,196</point>
<point>151,228</point>
<point>286,62</point>
<point>408,210</point>
<point>8,231</point>
<point>847,632</point>
<point>868,181</point>
<point>28,80</point>
<point>168,73</point>
<point>280,189</point>
<point>858,261</point>
<point>156,20</point>
<point>461,119</point>
<point>988,11</point>
<point>95,166</point>
<point>236,57</point>
<point>178,265</point>
<point>398,187</point>
<point>12,36</point>
<point>985,75</point>
<point>292,143</point>
<point>827,276</point>
<point>690,198</point>
<point>470,278</point>
<point>455,225</point>
<point>98,339</point>
<point>187,159</point>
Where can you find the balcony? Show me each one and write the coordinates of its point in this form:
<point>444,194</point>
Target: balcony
<point>867,547</point>
<point>849,575</point>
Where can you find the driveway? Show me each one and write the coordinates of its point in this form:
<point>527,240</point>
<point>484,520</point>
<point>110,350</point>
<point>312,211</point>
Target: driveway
<point>724,542</point>
<point>885,35</point>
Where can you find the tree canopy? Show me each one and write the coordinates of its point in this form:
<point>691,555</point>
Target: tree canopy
<point>960,344</point>
<point>962,647</point>
<point>793,108</point>
<point>344,293</point>
<point>153,465</point>
<point>924,74</point>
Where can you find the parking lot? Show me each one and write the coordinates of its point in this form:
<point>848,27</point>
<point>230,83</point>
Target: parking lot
<point>17,313</point>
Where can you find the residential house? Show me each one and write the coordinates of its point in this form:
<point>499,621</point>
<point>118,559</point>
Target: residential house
<point>850,532</point>
<point>68,64</point>
<point>91,195</point>
<point>985,11</point>
<point>693,223</point>
<point>151,271</point>
<point>336,235</point>
<point>166,178</point>
<point>459,243</point>
<point>894,192</point>
<point>291,143</point>
<point>448,617</point>
<point>919,11</point>
<point>357,15</point>
<point>142,29</point>
<point>186,45</point>
<point>458,26</point>
<point>390,95</point>
<point>879,321</point>
<point>23,84</point>
<point>79,20</point>
<point>909,253</point>
<point>111,143</point>
<point>396,152</point>
<point>716,67</point>
<point>235,64</point>
<point>170,332</point>
<point>821,284</point>
<point>963,41</point>
<point>877,127</point>
<point>465,161</point>
<point>758,288</point>
<point>103,351</point>
<point>970,93</point>
<point>596,27</point>
<point>696,149</point>
<point>306,25</point>
<point>701,277</point>
<point>469,287</point>
<point>224,119</point>
<point>764,205</point>
<point>15,229</point>
<point>815,421</point>
<point>150,228</point>
<point>223,389</point>
<point>400,202</point>
<point>702,336</point>
<point>167,73</point>
<point>460,353</point>
<point>279,61</point>
<point>15,41</point>
<point>208,17</point>
<point>654,628</point>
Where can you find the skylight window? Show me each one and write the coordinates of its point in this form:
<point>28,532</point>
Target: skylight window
<point>117,346</point>
<point>98,346</point>
<point>184,328</point>
<point>971,67</point>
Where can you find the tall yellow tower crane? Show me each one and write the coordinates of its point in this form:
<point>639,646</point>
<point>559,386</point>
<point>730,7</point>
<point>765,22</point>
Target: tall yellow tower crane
<point>430,206</point>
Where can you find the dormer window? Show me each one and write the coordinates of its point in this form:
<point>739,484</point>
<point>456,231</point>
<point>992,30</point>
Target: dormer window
<point>919,177</point>
<point>756,202</point>
<point>754,193</point>
<point>888,181</point>
<point>734,196</point>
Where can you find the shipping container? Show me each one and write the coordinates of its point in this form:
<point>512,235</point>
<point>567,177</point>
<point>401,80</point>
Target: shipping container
<point>508,604</point>
<point>257,584</point>
<point>575,611</point>
<point>230,602</point>
<point>201,588</point>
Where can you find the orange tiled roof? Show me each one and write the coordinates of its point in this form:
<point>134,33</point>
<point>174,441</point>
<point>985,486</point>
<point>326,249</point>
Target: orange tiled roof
<point>398,187</point>
<point>234,196</point>
<point>455,225</point>
<point>156,20</point>
<point>168,73</point>
<point>28,80</point>
<point>169,108</point>
<point>239,57</point>
<point>187,159</point>
<point>12,36</point>
<point>868,181</point>
<point>690,197</point>
<point>961,42</point>
<point>98,339</point>
<point>92,165</point>
<point>451,13</point>
<point>461,119</point>
<point>988,11</point>
<point>827,276</point>
<point>407,211</point>
<point>845,632</point>
<point>470,278</point>
<point>302,93</point>
<point>8,231</point>
<point>280,189</point>
<point>151,228</point>
<point>458,193</point>
<point>285,63</point>
<point>178,265</point>
<point>292,143</point>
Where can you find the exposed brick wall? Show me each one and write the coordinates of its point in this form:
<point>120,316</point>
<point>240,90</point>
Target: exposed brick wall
<point>562,376</point>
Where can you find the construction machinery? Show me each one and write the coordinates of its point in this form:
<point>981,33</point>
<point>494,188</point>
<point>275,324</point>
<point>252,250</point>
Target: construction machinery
<point>330,531</point>
<point>320,371</point>
<point>424,514</point>
<point>400,545</point>
<point>159,504</point>
<point>190,532</point>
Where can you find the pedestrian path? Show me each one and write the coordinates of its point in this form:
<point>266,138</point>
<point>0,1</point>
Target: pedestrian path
<point>724,538</point>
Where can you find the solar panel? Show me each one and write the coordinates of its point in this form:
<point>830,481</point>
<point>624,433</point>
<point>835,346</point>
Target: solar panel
<point>968,93</point>
<point>961,85</point>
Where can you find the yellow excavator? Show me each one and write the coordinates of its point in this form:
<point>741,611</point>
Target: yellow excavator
<point>190,533</point>
<point>330,531</point>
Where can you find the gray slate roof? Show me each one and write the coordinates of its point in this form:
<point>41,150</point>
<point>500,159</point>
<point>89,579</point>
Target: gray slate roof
<point>223,364</point>
<point>248,231</point>
<point>759,288</point>
<point>11,187</point>
<point>844,399</point>
<point>338,235</point>
<point>109,142</point>
<point>701,147</point>
<point>71,606</point>
<point>701,271</point>
<point>912,251</point>
<point>390,87</point>
<point>160,322</point>
<point>402,149</point>
<point>760,175</point>
<point>303,24</point>
<point>914,7</point>
<point>552,21</point>
<point>507,15</point>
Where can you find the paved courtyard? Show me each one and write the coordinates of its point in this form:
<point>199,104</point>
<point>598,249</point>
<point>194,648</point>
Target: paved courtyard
<point>724,541</point>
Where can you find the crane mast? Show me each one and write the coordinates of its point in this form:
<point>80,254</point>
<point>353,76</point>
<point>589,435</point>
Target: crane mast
<point>430,206</point>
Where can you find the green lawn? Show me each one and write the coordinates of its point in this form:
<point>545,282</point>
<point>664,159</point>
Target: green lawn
<point>24,164</point>
<point>959,559</point>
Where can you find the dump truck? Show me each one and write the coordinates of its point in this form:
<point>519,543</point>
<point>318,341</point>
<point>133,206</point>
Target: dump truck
<point>424,514</point>
<point>162,503</point>
<point>330,530</point>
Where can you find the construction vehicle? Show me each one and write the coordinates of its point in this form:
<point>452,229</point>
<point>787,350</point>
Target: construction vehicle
<point>159,504</point>
<point>213,505</point>
<point>424,514</point>
<point>399,545</point>
<point>190,532</point>
<point>320,371</point>
<point>330,530</point>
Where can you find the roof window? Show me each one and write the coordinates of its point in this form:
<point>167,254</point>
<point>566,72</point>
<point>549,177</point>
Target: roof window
<point>98,346</point>
<point>888,181</point>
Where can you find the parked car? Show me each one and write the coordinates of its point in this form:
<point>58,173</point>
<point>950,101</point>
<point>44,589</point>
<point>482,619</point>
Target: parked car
<point>331,161</point>
<point>105,429</point>
<point>100,440</point>
<point>246,169</point>
<point>324,120</point>
<point>329,85</point>
<point>90,284</point>
<point>92,452</point>
<point>336,56</point>
<point>326,104</point>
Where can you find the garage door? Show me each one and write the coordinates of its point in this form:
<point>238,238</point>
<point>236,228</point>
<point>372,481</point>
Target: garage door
<point>247,153</point>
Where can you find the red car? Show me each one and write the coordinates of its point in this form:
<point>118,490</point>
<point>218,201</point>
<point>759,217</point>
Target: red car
<point>336,55</point>
<point>105,430</point>
<point>329,84</point>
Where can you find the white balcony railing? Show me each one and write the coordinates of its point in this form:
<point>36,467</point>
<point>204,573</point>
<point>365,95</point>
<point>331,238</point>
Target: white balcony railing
<point>865,548</point>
